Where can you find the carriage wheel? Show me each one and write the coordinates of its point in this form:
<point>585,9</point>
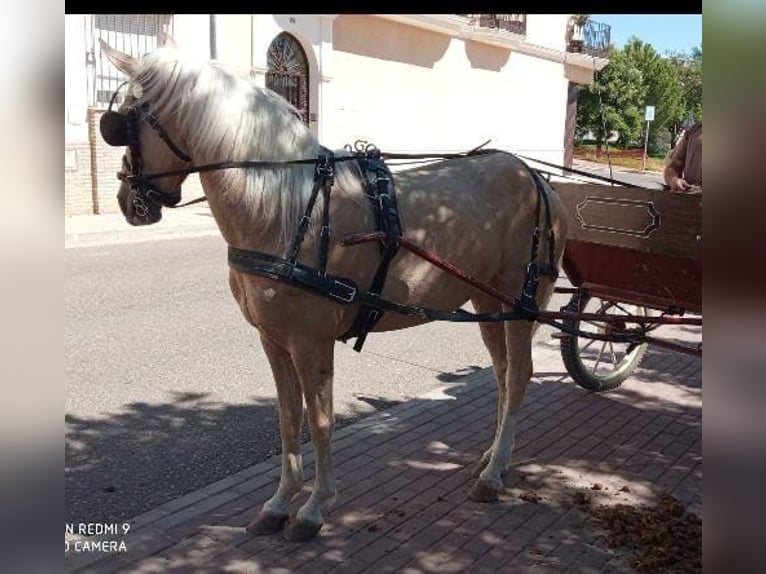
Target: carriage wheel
<point>599,365</point>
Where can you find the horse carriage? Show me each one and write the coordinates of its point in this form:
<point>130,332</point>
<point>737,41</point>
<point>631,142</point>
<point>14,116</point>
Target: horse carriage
<point>634,256</point>
<point>328,245</point>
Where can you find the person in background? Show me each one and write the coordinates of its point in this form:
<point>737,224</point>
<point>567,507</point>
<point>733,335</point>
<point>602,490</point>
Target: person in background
<point>684,163</point>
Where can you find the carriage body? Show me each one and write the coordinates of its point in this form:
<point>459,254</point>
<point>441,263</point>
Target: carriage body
<point>636,251</point>
<point>642,246</point>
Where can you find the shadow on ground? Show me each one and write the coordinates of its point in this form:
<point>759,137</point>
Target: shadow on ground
<point>113,462</point>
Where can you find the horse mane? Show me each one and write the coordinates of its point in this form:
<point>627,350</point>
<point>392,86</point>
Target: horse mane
<point>224,116</point>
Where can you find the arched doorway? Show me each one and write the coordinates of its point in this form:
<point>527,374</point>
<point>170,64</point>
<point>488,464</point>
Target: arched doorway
<point>288,72</point>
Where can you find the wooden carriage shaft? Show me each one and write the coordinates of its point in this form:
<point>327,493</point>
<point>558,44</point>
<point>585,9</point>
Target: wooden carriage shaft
<point>695,350</point>
<point>598,318</point>
<point>434,259</point>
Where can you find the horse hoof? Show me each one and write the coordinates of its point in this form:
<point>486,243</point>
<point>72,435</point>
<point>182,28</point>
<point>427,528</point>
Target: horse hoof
<point>301,531</point>
<point>483,492</point>
<point>266,523</point>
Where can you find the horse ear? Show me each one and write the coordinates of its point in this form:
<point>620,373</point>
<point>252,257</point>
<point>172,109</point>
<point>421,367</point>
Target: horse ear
<point>166,40</point>
<point>123,62</point>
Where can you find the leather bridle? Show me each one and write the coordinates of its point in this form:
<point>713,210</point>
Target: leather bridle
<point>121,130</point>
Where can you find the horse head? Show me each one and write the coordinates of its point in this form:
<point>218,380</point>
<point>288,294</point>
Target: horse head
<point>144,126</point>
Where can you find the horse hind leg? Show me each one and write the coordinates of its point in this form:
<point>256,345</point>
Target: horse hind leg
<point>518,340</point>
<point>493,336</point>
<point>518,345</point>
<point>275,511</point>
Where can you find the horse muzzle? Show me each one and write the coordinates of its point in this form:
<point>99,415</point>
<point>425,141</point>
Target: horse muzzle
<point>137,208</point>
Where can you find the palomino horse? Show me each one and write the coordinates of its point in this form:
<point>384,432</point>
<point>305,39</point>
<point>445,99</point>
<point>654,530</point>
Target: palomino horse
<point>477,212</point>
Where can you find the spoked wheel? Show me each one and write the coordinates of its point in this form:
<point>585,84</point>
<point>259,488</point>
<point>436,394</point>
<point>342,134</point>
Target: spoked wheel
<point>599,365</point>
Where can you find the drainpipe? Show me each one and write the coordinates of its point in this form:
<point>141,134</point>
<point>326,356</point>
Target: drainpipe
<point>213,43</point>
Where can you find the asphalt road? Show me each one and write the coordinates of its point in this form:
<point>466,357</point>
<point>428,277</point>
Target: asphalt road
<point>169,390</point>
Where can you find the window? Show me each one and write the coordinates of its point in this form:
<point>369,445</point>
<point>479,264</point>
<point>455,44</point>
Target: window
<point>288,72</point>
<point>134,34</point>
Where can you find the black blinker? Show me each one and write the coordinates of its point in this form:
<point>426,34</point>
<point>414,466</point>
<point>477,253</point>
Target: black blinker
<point>114,129</point>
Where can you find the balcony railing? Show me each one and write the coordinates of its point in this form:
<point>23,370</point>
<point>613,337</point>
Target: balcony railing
<point>590,38</point>
<point>516,23</point>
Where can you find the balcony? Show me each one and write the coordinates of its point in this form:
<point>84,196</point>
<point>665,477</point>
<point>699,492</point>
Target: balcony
<point>515,23</point>
<point>588,37</point>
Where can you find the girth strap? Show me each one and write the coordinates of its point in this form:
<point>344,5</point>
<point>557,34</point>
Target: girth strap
<point>293,273</point>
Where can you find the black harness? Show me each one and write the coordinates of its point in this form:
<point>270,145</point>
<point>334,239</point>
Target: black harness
<point>381,191</point>
<point>123,130</point>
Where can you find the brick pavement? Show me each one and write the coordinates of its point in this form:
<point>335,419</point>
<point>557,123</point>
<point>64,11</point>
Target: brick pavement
<point>403,476</point>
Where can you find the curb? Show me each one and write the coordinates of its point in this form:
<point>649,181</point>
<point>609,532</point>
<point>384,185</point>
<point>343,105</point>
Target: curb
<point>96,238</point>
<point>111,228</point>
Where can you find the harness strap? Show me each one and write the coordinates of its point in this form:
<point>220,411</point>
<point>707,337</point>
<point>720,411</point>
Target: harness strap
<point>550,269</point>
<point>264,164</point>
<point>345,291</point>
<point>580,172</point>
<point>155,124</point>
<point>324,235</point>
<point>293,273</point>
<point>324,179</point>
<point>380,189</point>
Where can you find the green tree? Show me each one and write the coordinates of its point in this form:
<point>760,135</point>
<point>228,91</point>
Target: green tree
<point>660,78</point>
<point>689,70</point>
<point>619,93</point>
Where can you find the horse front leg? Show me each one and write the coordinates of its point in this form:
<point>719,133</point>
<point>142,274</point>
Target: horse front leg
<point>314,365</point>
<point>518,342</point>
<point>275,511</point>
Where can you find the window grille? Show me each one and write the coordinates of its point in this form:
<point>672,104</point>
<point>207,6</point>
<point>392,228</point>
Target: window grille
<point>288,72</point>
<point>133,34</point>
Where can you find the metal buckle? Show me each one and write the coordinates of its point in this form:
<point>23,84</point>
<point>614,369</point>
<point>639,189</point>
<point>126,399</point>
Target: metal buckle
<point>325,167</point>
<point>349,298</point>
<point>140,206</point>
<point>531,281</point>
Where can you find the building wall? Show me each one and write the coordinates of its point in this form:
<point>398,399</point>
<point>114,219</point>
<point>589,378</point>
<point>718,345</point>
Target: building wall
<point>409,89</point>
<point>399,86</point>
<point>78,196</point>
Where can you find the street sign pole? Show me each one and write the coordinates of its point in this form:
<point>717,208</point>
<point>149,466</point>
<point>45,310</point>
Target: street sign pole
<point>648,116</point>
<point>646,144</point>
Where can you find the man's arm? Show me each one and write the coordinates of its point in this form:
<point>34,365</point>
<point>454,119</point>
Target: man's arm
<point>674,169</point>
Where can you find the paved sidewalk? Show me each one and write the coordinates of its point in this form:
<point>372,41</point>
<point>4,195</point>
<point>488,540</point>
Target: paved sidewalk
<point>403,477</point>
<point>111,228</point>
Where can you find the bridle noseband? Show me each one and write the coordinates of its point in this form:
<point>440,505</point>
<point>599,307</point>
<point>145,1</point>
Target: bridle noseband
<point>120,130</point>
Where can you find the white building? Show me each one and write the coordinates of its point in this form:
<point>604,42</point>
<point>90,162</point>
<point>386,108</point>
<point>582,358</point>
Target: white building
<point>404,82</point>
